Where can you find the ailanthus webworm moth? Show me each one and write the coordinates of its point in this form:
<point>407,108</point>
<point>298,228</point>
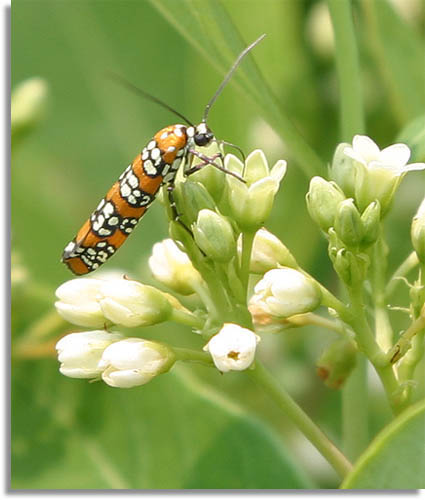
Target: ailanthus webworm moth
<point>128,199</point>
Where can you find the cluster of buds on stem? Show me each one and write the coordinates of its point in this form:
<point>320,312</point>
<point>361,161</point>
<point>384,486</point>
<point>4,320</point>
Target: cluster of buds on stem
<point>350,207</point>
<point>218,241</point>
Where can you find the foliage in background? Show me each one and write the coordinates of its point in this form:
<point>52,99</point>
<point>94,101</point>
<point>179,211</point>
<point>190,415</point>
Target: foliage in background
<point>92,129</point>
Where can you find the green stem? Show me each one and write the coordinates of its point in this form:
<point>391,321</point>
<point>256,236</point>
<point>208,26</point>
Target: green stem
<point>304,423</point>
<point>187,318</point>
<point>183,354</point>
<point>314,319</point>
<point>355,410</point>
<point>407,366</point>
<point>404,268</point>
<point>328,299</point>
<point>383,329</point>
<point>347,64</point>
<point>403,344</point>
<point>247,244</point>
<point>204,295</point>
<point>367,344</point>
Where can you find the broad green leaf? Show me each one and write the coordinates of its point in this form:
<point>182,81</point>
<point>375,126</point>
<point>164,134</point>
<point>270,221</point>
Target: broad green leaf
<point>396,457</point>
<point>414,136</point>
<point>209,28</point>
<point>172,433</point>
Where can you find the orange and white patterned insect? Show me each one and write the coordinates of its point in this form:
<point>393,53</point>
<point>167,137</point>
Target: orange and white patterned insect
<point>128,199</point>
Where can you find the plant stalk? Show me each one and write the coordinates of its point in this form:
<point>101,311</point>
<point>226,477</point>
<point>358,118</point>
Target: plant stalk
<point>304,423</point>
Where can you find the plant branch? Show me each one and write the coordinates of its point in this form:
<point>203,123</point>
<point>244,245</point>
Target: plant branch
<point>304,423</point>
<point>404,268</point>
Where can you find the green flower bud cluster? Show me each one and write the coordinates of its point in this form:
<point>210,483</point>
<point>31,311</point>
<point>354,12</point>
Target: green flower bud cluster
<point>351,266</point>
<point>216,213</point>
<point>330,209</point>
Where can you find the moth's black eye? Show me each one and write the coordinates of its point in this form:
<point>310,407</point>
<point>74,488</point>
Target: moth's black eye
<point>203,139</point>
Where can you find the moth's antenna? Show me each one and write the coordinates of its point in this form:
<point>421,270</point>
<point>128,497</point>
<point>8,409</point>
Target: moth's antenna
<point>229,75</point>
<point>146,95</point>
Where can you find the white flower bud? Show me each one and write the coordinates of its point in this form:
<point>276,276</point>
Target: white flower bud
<point>281,294</point>
<point>28,103</point>
<point>267,252</point>
<point>232,348</point>
<point>129,303</point>
<point>80,353</point>
<point>96,302</point>
<point>78,302</point>
<point>134,361</point>
<point>173,268</point>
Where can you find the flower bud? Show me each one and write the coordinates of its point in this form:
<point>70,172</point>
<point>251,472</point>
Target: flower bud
<point>173,268</point>
<point>323,199</point>
<point>193,198</point>
<point>351,268</point>
<point>95,302</point>
<point>28,104</point>
<point>213,234</point>
<point>130,303</point>
<point>336,363</point>
<point>342,170</point>
<point>134,361</point>
<point>348,225</point>
<point>268,252</point>
<point>209,176</point>
<point>183,236</point>
<point>80,353</point>
<point>371,218</point>
<point>418,232</point>
<point>250,203</point>
<point>282,293</point>
<point>78,302</point>
<point>232,348</point>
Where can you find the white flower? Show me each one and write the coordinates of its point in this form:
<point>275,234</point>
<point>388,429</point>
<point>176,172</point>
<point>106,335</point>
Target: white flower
<point>281,294</point>
<point>232,348</point>
<point>251,202</point>
<point>80,353</point>
<point>134,361</point>
<point>380,171</point>
<point>173,268</point>
<point>95,302</point>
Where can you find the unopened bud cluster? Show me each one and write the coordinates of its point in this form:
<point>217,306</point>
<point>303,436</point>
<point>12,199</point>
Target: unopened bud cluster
<point>118,361</point>
<point>349,208</point>
<point>217,210</point>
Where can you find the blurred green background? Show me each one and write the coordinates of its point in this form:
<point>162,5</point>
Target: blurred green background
<point>189,429</point>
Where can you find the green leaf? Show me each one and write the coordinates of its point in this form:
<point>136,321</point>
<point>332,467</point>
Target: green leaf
<point>209,28</point>
<point>414,136</point>
<point>171,433</point>
<point>396,457</point>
